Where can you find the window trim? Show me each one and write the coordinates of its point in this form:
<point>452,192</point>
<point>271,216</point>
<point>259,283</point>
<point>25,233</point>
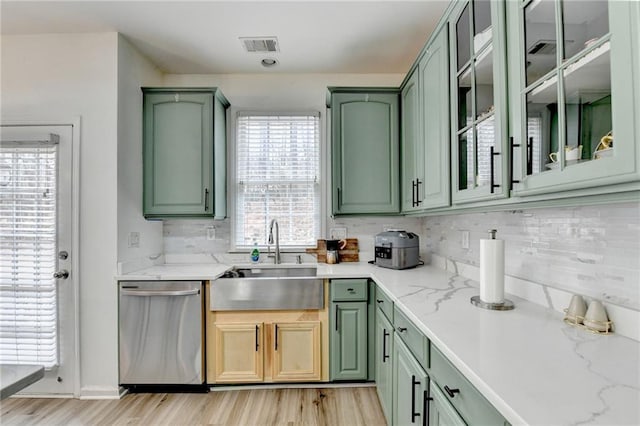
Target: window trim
<point>232,175</point>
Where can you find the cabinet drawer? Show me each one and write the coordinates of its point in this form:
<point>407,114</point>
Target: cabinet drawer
<point>412,337</point>
<point>349,290</point>
<point>385,303</point>
<point>466,399</point>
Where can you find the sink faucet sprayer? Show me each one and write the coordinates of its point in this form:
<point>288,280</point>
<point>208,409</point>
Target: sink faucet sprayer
<point>276,256</point>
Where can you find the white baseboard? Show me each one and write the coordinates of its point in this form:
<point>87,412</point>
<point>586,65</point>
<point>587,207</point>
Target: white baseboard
<point>97,392</point>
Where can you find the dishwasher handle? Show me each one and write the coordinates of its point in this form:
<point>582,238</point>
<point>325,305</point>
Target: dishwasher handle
<point>148,293</point>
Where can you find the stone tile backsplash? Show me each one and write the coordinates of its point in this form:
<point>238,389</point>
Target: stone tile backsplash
<point>593,250</point>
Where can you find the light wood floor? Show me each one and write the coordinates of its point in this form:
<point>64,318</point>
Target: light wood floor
<point>332,406</point>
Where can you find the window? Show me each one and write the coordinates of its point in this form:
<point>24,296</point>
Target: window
<point>28,294</point>
<point>277,177</point>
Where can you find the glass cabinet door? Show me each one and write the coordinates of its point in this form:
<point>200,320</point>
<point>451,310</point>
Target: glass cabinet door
<point>566,91</point>
<point>566,50</point>
<point>478,127</point>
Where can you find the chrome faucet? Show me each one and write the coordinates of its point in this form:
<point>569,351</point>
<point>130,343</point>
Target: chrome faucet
<point>276,256</point>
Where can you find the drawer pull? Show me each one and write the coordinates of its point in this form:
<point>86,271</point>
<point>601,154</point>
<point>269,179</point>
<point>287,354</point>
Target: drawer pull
<point>414,382</point>
<point>451,392</point>
<point>379,301</point>
<point>350,290</point>
<point>402,329</point>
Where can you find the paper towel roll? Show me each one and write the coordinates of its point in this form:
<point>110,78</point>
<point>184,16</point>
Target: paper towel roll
<point>492,271</point>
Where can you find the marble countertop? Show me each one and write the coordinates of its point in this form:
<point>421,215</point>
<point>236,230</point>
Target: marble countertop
<point>14,378</point>
<point>528,363</point>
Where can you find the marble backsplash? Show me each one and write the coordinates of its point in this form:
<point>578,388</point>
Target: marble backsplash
<point>187,238</point>
<point>592,250</point>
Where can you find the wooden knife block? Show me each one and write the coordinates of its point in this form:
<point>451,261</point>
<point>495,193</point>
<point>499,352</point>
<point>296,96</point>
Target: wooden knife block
<point>348,254</point>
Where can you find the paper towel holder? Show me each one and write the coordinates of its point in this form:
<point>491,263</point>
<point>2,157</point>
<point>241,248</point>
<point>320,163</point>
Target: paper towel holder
<point>506,305</point>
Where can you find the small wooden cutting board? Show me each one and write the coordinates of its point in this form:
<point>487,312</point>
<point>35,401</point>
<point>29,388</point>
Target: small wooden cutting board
<point>348,254</point>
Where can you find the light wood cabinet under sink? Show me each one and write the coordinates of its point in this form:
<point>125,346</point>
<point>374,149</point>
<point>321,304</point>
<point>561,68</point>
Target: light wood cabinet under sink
<point>267,346</point>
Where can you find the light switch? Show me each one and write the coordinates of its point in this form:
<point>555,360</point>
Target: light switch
<point>338,233</point>
<point>465,239</point>
<point>211,233</point>
<point>134,239</point>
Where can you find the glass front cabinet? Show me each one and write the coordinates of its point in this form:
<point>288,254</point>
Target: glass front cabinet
<point>478,101</point>
<point>573,91</point>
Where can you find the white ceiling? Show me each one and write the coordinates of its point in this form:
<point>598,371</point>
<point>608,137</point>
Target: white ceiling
<point>201,37</point>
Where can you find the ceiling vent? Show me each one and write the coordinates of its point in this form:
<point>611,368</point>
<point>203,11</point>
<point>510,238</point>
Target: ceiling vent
<point>543,47</point>
<point>260,44</point>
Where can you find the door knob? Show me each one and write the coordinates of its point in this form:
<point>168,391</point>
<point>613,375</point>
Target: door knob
<point>64,274</point>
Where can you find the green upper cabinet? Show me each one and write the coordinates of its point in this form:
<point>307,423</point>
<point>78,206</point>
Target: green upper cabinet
<point>411,147</point>
<point>434,118</point>
<point>479,149</point>
<point>575,112</point>
<point>184,153</point>
<point>365,151</point>
<point>425,130</point>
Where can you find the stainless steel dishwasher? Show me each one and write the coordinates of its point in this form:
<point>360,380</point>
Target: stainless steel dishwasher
<point>161,333</point>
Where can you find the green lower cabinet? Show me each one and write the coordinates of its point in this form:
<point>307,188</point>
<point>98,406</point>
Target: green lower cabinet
<point>348,341</point>
<point>410,387</point>
<point>441,413</point>
<point>384,364</point>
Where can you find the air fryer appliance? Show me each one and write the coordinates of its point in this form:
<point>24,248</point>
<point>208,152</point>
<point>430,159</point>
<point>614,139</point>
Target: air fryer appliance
<point>397,249</point>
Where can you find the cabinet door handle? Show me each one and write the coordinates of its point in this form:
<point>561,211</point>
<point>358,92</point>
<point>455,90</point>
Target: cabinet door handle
<point>337,309</point>
<point>451,392</point>
<point>385,334</point>
<point>206,199</point>
<point>413,193</point>
<point>414,382</point>
<point>530,156</point>
<point>339,198</point>
<point>511,146</point>
<point>418,201</point>
<point>379,301</point>
<point>276,334</point>
<point>257,344</point>
<point>425,407</point>
<point>491,155</point>
<point>402,329</point>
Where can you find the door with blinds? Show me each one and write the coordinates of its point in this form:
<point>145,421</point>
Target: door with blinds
<point>37,293</point>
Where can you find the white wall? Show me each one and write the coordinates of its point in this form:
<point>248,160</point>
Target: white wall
<point>277,92</point>
<point>134,71</point>
<point>58,77</point>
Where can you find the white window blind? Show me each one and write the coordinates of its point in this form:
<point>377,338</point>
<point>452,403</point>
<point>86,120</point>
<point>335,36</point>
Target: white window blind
<point>28,299</point>
<point>277,175</point>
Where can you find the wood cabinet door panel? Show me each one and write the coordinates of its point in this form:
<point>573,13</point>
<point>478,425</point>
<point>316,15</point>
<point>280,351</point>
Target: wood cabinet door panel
<point>296,351</point>
<point>239,353</point>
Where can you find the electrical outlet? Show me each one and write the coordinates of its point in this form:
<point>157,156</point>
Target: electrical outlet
<point>211,233</point>
<point>465,239</point>
<point>338,233</point>
<point>134,239</point>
